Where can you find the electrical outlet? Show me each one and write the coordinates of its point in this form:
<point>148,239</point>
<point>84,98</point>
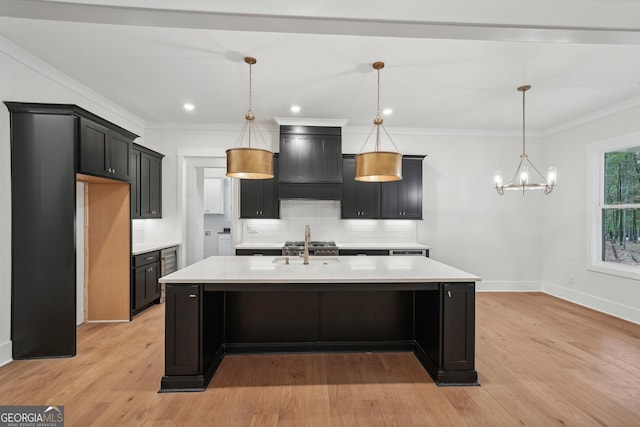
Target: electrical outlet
<point>252,229</point>
<point>207,232</point>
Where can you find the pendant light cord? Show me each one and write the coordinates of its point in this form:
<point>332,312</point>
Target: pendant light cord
<point>523,122</point>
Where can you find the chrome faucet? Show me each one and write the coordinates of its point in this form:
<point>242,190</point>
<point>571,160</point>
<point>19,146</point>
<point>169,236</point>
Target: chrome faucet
<point>307,238</point>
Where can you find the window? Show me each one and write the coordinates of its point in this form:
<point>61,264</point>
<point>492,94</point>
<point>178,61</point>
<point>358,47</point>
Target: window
<point>620,205</point>
<point>614,208</point>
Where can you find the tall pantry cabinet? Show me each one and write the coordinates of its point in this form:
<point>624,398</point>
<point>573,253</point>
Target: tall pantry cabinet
<point>48,150</point>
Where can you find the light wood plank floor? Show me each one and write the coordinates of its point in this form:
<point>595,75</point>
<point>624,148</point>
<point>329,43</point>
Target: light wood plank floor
<point>541,362</point>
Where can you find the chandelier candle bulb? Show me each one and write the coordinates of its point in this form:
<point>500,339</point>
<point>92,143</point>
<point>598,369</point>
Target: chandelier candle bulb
<point>551,176</point>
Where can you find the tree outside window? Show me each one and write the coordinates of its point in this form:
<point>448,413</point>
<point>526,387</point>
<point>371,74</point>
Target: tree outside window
<point>620,204</point>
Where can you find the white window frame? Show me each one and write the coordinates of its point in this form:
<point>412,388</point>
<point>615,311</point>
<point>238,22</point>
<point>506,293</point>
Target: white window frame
<point>595,203</point>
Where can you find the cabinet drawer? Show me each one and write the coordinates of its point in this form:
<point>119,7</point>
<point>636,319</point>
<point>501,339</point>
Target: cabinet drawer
<point>146,258</point>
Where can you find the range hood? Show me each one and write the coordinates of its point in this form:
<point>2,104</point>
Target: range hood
<point>310,163</point>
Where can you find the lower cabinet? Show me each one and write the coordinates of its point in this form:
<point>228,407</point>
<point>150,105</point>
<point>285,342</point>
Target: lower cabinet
<point>182,330</point>
<point>458,321</point>
<point>145,289</point>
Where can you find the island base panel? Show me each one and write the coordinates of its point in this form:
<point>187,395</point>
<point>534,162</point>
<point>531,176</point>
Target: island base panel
<point>436,324</point>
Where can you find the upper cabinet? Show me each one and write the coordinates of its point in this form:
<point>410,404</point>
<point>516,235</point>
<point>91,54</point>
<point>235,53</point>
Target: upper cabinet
<point>403,199</point>
<point>103,151</point>
<point>387,200</point>
<point>360,199</point>
<point>146,183</point>
<point>259,197</point>
<point>213,199</point>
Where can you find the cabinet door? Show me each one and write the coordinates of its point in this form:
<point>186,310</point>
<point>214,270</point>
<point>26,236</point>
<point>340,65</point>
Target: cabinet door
<point>182,330</point>
<point>139,287</point>
<point>150,186</point>
<point>458,330</point>
<point>94,147</point>
<point>135,184</point>
<point>310,158</point>
<point>213,196</point>
<point>360,199</point>
<point>259,197</point>
<point>119,156</point>
<point>152,273</point>
<point>403,199</point>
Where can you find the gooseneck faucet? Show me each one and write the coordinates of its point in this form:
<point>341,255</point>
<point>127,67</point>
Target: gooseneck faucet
<point>307,238</point>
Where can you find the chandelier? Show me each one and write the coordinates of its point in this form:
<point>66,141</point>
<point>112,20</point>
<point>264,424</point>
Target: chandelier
<point>522,181</point>
<point>249,162</point>
<point>377,165</point>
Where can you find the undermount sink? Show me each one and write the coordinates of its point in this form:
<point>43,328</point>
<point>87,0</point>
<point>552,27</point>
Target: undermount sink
<point>315,260</point>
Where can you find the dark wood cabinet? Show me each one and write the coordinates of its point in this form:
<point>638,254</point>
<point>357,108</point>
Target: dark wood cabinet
<point>458,320</point>
<point>182,330</point>
<point>387,200</point>
<point>146,183</point>
<point>360,199</point>
<point>103,151</point>
<point>50,144</point>
<point>259,197</point>
<point>310,154</point>
<point>135,183</point>
<point>310,163</point>
<point>145,289</point>
<point>403,199</point>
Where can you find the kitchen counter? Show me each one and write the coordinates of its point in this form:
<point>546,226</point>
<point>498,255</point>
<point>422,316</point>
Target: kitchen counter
<point>141,248</point>
<point>267,270</point>
<point>243,305</point>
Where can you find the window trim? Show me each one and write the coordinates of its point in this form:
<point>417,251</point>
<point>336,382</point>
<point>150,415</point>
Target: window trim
<point>595,203</point>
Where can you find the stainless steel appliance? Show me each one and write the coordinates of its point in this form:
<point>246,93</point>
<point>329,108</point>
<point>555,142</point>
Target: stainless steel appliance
<point>408,252</point>
<point>168,264</point>
<point>325,248</point>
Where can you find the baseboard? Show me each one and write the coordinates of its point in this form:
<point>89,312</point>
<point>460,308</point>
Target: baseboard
<point>6,351</point>
<point>612,308</point>
<point>508,286</point>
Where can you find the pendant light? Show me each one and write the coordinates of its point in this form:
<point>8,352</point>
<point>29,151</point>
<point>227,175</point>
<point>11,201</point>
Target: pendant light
<point>249,162</point>
<point>378,166</point>
<point>522,180</point>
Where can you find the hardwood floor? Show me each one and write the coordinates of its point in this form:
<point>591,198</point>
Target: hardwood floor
<point>541,362</point>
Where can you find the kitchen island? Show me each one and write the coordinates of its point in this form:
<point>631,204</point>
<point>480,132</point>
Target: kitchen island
<point>244,305</point>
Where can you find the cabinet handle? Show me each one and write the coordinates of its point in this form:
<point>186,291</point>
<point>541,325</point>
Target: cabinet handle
<point>192,295</point>
<point>149,258</point>
<point>113,170</point>
<point>449,294</point>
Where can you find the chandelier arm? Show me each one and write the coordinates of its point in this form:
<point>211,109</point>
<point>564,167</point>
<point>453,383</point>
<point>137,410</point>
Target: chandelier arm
<point>536,169</point>
<point>367,140</point>
<point>242,134</point>
<point>513,180</point>
<point>390,139</point>
<point>262,138</point>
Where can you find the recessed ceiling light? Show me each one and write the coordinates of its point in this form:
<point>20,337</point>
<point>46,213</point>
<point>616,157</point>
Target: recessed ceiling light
<point>295,108</point>
<point>189,107</point>
<point>387,111</point>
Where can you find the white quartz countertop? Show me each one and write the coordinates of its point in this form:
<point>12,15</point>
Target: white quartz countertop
<point>341,245</point>
<point>141,248</point>
<point>346,269</point>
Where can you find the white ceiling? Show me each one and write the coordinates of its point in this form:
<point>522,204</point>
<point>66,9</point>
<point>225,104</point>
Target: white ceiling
<point>580,56</point>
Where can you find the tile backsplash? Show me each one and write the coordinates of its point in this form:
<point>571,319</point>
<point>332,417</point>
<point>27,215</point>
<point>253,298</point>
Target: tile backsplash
<point>323,216</point>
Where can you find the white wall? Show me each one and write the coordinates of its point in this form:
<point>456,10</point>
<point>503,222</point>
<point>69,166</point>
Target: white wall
<point>24,78</point>
<point>566,232</point>
<point>465,221</point>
